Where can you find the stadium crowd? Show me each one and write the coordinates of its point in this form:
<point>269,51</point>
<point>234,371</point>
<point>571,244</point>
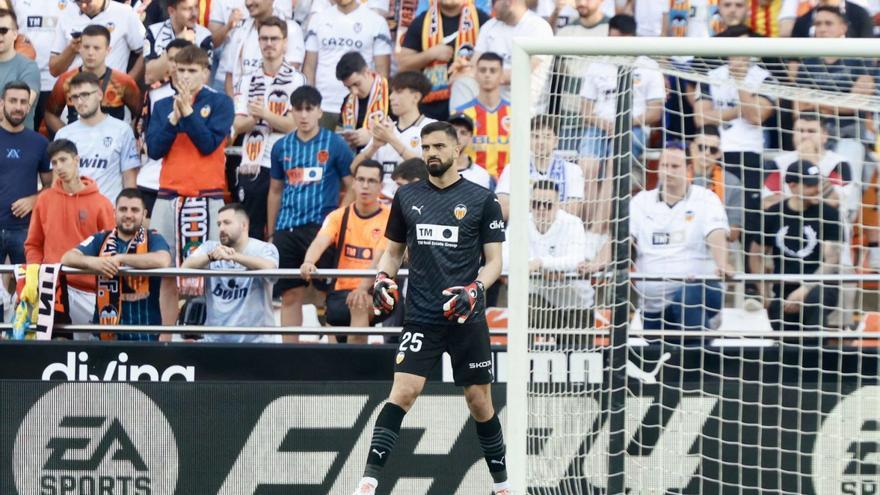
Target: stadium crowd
<point>257,134</point>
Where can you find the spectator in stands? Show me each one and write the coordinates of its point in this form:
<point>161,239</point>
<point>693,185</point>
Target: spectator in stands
<point>393,142</point>
<point>838,75</point>
<point>857,21</point>
<point>733,13</point>
<point>733,103</point>
<point>557,245</point>
<point>546,164</point>
<point>599,90</point>
<point>840,187</point>
<point>118,90</point>
<point>310,168</point>
<point>708,171</point>
<point>182,22</point>
<point>763,18</point>
<point>190,141</point>
<point>262,117</point>
<point>358,233</point>
<point>106,145</point>
<point>679,229</point>
<point>124,300</point>
<point>41,35</point>
<point>652,18</point>
<point>464,126</point>
<point>148,176</point>
<point>22,160</point>
<point>801,236</point>
<point>332,33</point>
<point>591,20</point>
<point>440,48</point>
<point>242,53</point>
<point>14,66</point>
<point>491,115</point>
<point>701,18</point>
<point>66,214</point>
<point>512,19</point>
<point>126,40</point>
<point>237,301</point>
<point>366,102</point>
<point>408,171</point>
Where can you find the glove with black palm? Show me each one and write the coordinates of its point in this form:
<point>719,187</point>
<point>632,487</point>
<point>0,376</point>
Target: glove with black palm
<point>464,301</point>
<point>384,294</point>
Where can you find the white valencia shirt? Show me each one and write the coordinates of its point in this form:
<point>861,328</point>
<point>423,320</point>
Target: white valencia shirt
<point>672,240</point>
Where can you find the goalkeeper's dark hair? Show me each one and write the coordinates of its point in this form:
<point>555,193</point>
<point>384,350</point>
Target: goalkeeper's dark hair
<point>623,24</point>
<point>709,130</point>
<point>61,146</point>
<point>410,170</point>
<point>350,63</point>
<point>542,122</point>
<point>440,126</point>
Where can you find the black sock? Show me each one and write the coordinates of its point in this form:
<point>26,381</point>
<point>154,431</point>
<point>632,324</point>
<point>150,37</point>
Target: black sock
<point>385,434</point>
<point>492,443</point>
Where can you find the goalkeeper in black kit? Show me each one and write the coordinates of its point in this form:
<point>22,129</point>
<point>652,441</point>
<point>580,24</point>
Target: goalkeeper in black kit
<point>448,225</point>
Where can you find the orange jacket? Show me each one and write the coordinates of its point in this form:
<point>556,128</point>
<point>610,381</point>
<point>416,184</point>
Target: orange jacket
<point>60,221</point>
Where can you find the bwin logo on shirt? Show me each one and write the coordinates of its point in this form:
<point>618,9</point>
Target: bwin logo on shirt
<point>231,291</point>
<point>93,162</point>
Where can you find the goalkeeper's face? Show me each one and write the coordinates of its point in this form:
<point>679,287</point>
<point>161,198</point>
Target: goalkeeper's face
<point>439,150</point>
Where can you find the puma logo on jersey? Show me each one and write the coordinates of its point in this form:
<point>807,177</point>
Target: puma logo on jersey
<point>418,208</point>
<point>379,453</point>
<point>495,461</point>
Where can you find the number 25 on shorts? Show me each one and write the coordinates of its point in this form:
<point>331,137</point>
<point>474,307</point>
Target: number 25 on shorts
<point>411,341</point>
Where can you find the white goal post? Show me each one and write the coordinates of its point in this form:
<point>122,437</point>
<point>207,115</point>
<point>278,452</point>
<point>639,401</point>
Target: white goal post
<point>519,367</point>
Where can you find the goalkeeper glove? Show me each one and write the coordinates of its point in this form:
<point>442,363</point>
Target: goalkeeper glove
<point>384,294</point>
<point>464,301</point>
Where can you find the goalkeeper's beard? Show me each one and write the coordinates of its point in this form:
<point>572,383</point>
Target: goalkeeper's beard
<point>438,168</point>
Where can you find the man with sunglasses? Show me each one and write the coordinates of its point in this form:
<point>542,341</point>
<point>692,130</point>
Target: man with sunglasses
<point>704,154</point>
<point>558,244</point>
<point>14,66</point>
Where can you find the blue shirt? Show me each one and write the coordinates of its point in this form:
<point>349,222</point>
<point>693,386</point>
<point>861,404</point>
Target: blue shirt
<point>22,157</point>
<point>311,172</point>
<point>145,311</point>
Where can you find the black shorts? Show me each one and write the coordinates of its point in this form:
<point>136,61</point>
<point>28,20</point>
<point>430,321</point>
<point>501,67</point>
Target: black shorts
<point>149,199</point>
<point>292,245</point>
<point>422,346</point>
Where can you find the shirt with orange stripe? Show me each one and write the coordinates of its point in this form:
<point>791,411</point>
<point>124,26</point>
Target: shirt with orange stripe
<point>363,236</point>
<point>491,144</point>
<point>764,19</point>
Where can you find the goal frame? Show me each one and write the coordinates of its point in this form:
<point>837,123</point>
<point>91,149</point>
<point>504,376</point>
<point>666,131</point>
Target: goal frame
<point>518,301</point>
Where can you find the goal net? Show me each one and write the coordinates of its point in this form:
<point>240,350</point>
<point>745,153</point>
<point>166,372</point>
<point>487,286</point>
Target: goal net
<point>695,310</point>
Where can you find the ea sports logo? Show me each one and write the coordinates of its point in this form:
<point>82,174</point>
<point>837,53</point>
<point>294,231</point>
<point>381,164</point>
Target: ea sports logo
<point>845,455</point>
<point>86,438</point>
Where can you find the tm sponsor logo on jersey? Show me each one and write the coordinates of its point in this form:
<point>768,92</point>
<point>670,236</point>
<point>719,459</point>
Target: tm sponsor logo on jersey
<point>428,234</point>
<point>108,439</point>
<point>78,368</point>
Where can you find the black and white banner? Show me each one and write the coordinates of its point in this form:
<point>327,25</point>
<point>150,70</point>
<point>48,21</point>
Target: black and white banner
<point>760,421</point>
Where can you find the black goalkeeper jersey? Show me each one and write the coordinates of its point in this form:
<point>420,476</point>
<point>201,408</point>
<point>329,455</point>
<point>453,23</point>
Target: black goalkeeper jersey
<point>444,231</point>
